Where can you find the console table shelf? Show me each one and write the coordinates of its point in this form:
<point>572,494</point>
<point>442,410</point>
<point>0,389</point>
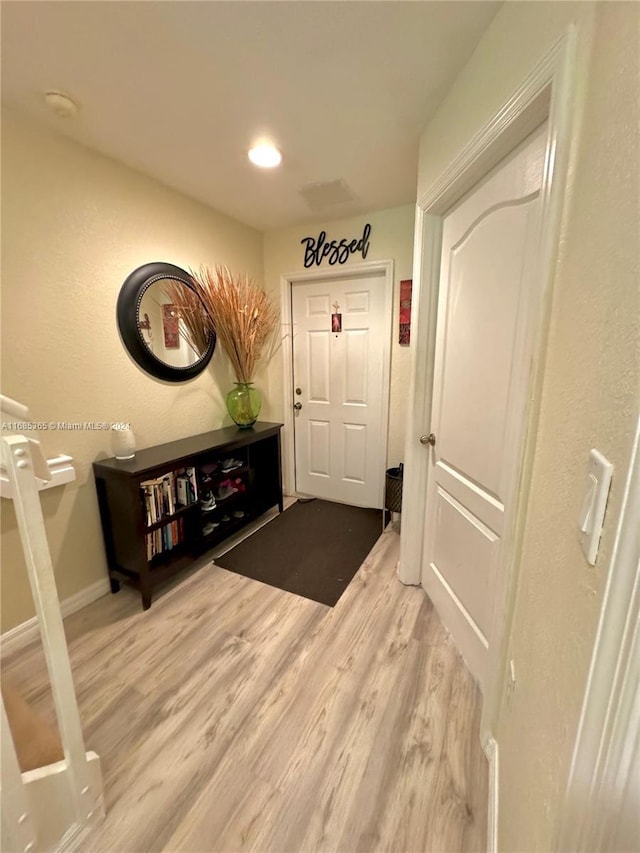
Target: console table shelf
<point>167,519</point>
<point>149,535</point>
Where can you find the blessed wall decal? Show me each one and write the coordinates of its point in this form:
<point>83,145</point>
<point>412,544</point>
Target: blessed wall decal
<point>335,251</point>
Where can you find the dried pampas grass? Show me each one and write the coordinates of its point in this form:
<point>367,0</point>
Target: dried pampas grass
<point>242,315</point>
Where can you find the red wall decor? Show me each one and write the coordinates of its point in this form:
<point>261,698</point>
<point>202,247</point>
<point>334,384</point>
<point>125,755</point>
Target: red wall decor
<point>170,319</point>
<point>405,312</point>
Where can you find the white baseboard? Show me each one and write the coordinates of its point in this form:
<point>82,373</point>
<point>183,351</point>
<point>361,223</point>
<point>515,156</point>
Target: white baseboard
<point>491,751</point>
<point>16,638</point>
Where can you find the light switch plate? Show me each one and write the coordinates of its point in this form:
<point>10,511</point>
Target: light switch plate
<point>598,483</point>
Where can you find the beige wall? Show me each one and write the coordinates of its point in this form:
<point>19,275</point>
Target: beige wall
<point>74,225</point>
<point>591,384</point>
<point>391,238</point>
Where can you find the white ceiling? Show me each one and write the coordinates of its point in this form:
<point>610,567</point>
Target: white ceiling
<point>179,90</point>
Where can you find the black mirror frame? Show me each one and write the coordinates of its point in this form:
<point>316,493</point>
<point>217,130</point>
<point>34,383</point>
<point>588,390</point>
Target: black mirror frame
<point>129,299</point>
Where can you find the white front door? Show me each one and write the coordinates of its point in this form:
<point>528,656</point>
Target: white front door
<point>481,382</point>
<point>340,367</point>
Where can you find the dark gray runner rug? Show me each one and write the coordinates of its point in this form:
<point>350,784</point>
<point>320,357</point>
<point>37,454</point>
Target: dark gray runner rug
<point>312,549</point>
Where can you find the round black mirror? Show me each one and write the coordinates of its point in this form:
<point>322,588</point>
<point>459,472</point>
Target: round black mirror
<point>163,324</point>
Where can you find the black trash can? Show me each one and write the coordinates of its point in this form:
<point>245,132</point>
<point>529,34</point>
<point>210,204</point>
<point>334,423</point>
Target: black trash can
<point>393,491</point>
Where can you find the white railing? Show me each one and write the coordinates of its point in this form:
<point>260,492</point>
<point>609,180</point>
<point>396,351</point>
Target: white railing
<point>44,808</point>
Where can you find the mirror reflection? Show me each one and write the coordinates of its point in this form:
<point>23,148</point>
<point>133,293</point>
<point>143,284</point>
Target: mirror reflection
<point>162,313</point>
<point>162,322</point>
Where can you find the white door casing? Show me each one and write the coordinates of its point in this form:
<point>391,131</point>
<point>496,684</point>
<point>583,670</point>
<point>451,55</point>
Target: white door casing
<point>479,392</point>
<point>552,91</point>
<point>341,430</point>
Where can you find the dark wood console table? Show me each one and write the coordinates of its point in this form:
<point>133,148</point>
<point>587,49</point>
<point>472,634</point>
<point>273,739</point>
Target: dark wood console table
<point>172,503</point>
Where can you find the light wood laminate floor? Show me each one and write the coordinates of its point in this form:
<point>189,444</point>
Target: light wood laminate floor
<point>233,716</point>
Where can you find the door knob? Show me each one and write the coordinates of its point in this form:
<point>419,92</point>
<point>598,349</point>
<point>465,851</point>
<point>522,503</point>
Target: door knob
<point>297,406</point>
<point>428,439</point>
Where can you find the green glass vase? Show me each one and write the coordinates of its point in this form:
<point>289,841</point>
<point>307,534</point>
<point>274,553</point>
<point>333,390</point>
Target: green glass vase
<point>243,404</point>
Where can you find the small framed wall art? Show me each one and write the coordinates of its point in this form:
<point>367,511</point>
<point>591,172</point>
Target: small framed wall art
<point>170,324</point>
<point>404,337</point>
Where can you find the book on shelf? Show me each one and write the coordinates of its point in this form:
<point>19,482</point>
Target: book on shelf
<point>164,538</point>
<point>168,493</point>
<point>193,483</point>
<point>182,490</point>
<point>149,502</point>
<point>159,497</point>
<point>187,487</point>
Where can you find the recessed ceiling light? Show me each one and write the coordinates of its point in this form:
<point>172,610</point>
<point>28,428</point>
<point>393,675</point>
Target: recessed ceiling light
<point>265,156</point>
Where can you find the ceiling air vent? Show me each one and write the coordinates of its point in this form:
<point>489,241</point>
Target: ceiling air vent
<point>321,196</point>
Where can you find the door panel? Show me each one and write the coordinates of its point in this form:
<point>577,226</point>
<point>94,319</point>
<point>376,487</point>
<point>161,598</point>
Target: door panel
<point>357,302</point>
<point>319,448</point>
<point>462,545</point>
<point>356,380</point>
<point>318,306</point>
<point>479,392</point>
<point>318,367</point>
<point>355,452</point>
<point>340,441</point>
<point>484,290</point>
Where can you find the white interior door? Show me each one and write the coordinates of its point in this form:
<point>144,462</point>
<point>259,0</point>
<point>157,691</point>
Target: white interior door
<point>340,422</point>
<point>480,392</point>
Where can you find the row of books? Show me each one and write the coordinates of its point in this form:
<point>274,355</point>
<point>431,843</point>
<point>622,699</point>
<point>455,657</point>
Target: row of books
<point>163,495</point>
<point>164,538</point>
<point>159,496</point>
